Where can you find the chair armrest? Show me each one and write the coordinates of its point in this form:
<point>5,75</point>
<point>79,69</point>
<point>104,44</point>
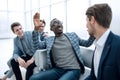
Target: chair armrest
<point>86,56</point>
<point>86,74</point>
<point>40,58</point>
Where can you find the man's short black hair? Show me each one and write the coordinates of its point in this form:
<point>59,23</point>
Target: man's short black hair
<point>14,25</point>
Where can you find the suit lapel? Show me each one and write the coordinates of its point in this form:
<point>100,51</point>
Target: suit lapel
<point>50,42</point>
<point>104,54</point>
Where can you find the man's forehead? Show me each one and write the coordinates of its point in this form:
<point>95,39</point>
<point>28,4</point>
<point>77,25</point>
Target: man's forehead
<point>57,24</point>
<point>17,27</point>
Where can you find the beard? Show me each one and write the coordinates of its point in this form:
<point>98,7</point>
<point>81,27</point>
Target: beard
<point>91,30</point>
<point>91,34</point>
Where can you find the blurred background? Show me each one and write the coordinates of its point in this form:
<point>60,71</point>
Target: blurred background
<point>70,12</point>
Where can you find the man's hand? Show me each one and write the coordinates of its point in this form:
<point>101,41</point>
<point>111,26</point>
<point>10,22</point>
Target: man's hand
<point>29,62</point>
<point>46,34</point>
<point>36,16</point>
<point>36,21</point>
<point>21,62</point>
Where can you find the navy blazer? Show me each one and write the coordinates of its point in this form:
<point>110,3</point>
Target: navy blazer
<point>109,66</point>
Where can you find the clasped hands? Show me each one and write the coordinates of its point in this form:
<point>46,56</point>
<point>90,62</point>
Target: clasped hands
<point>24,64</point>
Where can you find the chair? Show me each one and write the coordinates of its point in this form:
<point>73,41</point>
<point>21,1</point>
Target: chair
<point>40,60</point>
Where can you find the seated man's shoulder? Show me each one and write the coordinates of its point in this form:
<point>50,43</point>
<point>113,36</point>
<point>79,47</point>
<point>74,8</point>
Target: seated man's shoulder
<point>71,33</point>
<point>28,32</point>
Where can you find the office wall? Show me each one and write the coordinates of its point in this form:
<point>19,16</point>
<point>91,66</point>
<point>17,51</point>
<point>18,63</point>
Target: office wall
<point>10,11</point>
<point>71,12</point>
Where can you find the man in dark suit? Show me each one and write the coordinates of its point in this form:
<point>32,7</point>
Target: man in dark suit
<point>106,59</point>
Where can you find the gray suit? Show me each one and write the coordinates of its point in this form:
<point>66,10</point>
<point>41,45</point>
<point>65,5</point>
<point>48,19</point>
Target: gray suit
<point>18,48</point>
<point>19,51</point>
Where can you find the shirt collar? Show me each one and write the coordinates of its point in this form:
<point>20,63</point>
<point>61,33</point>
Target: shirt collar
<point>101,41</point>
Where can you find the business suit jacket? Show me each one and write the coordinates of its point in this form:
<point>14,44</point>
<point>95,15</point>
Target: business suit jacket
<point>109,66</point>
<point>74,40</point>
<point>18,48</point>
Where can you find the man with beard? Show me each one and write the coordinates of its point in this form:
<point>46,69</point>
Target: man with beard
<point>106,59</point>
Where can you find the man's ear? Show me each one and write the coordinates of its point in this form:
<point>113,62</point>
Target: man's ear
<point>92,21</point>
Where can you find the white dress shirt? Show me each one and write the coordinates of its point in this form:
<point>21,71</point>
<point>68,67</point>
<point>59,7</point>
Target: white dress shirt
<point>99,49</point>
